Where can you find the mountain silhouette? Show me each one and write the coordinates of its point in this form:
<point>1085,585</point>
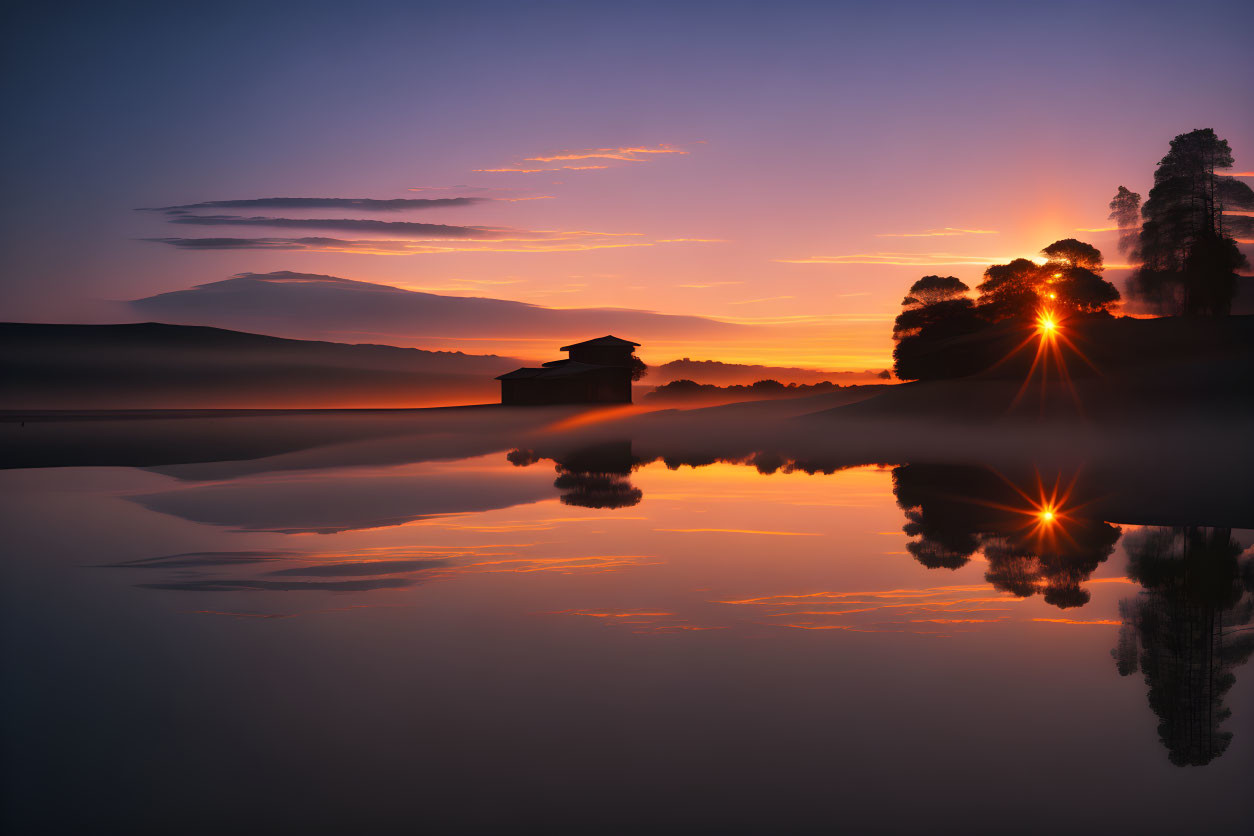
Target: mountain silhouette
<point>311,306</point>
<point>152,365</point>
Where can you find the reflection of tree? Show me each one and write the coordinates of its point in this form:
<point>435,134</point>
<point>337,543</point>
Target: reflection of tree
<point>591,477</point>
<point>1186,632</point>
<point>946,524</point>
<point>957,510</point>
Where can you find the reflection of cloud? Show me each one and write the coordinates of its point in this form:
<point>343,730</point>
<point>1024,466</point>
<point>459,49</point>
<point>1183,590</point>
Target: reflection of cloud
<point>627,614</point>
<point>202,559</point>
<point>253,585</point>
<point>739,531</point>
<point>358,571</point>
<point>267,615</point>
<point>363,567</point>
<point>564,565</point>
<point>639,621</point>
<point>942,605</point>
<point>344,502</point>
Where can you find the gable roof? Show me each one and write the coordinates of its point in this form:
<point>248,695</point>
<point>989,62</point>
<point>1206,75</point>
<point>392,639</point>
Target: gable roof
<point>517,374</point>
<point>607,340</point>
<point>568,368</point>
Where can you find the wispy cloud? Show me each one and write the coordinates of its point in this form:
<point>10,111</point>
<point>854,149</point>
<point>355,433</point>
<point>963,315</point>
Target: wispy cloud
<point>557,242</point>
<point>539,170</point>
<point>762,299</point>
<point>562,160</point>
<point>363,204</point>
<point>902,259</point>
<point>413,228</point>
<point>501,195</point>
<point>944,232</point>
<point>629,154</point>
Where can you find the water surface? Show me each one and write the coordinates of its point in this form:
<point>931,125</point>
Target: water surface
<point>509,640</point>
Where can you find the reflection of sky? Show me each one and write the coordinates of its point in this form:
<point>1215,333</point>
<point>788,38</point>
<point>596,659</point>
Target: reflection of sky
<point>569,658</point>
<point>677,538</point>
<point>835,151</point>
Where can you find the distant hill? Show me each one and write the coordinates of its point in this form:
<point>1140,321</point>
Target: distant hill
<point>154,365</point>
<point>688,393</point>
<point>312,306</point>
<point>733,374</point>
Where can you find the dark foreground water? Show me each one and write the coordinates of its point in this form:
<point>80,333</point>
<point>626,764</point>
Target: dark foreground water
<point>360,642</point>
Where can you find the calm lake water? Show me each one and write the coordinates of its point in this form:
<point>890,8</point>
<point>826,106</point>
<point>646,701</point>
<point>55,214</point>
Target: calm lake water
<point>509,643</point>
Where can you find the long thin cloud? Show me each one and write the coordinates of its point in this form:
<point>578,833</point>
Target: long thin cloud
<point>561,160</point>
<point>556,244</point>
<point>342,225</point>
<point>944,232</point>
<point>363,204</point>
<point>902,259</point>
<point>635,155</point>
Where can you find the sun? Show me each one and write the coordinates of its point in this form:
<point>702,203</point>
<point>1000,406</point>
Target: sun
<point>1046,323</point>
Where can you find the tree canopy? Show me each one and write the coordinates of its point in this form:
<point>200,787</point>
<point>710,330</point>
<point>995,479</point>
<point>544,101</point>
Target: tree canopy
<point>936,309</point>
<point>1185,246</point>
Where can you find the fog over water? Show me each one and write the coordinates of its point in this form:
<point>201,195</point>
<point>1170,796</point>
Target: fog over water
<point>493,621</point>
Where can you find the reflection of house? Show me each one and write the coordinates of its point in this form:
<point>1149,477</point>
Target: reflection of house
<point>597,371</point>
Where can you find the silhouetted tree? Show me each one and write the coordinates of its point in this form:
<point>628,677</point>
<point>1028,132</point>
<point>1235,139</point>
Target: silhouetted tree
<point>1068,280</point>
<point>1185,266</point>
<point>936,309</point>
<point>638,368</point>
<point>1070,252</point>
<point>931,290</point>
<point>1071,279</point>
<point>1210,274</point>
<point>1010,290</point>
<point>1125,211</point>
<point>1189,625</point>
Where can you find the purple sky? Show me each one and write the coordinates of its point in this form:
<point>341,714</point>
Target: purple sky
<point>796,163</point>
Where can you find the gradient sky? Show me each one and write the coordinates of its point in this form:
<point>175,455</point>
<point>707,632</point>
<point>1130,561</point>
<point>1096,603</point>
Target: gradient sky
<point>817,157</point>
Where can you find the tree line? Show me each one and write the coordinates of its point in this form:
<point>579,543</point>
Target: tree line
<point>1181,240</point>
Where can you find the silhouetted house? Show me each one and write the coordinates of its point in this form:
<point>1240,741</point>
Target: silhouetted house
<point>597,371</point>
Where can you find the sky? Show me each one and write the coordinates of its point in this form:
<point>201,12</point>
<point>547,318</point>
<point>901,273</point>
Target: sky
<point>795,165</point>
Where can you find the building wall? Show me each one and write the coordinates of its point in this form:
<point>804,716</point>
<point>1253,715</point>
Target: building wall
<point>611,385</point>
<point>602,355</point>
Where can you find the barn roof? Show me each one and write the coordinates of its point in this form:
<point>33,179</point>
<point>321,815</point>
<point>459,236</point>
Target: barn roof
<point>517,374</point>
<point>607,340</point>
<point>568,368</point>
